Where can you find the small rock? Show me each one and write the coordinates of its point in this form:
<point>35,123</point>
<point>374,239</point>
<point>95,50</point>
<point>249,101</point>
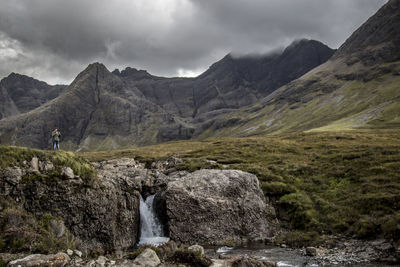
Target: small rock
<point>78,253</point>
<point>147,258</point>
<point>58,228</point>
<point>35,164</point>
<point>218,263</point>
<point>13,175</point>
<point>67,172</point>
<point>197,249</point>
<point>311,251</point>
<point>101,261</point>
<point>46,166</point>
<point>70,252</point>
<point>283,246</point>
<point>59,259</point>
<point>250,262</point>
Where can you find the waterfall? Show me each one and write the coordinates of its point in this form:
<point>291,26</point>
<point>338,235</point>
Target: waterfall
<point>151,231</point>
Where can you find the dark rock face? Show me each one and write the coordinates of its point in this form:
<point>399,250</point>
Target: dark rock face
<point>107,110</point>
<point>216,207</point>
<point>103,214</point>
<point>20,94</point>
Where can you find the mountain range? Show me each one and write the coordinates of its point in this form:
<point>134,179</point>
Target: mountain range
<point>305,87</point>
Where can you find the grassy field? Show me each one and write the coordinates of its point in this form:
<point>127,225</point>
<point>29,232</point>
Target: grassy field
<point>325,182</point>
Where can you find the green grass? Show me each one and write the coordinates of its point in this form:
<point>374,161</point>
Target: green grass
<point>11,156</point>
<point>21,231</point>
<point>328,182</point>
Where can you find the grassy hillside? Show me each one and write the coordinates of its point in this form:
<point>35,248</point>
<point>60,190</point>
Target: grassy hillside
<point>332,97</point>
<point>322,182</point>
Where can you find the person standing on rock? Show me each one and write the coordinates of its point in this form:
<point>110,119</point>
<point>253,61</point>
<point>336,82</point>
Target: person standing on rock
<point>55,136</point>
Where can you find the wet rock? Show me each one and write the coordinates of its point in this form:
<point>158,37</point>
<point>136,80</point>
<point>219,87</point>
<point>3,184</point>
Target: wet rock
<point>216,207</point>
<point>311,251</point>
<point>189,258</point>
<point>147,258</point>
<point>197,249</point>
<point>218,263</point>
<point>353,251</point>
<point>56,260</point>
<point>250,262</point>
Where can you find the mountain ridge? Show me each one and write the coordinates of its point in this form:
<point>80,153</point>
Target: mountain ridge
<point>102,109</point>
<point>21,93</point>
<point>353,89</point>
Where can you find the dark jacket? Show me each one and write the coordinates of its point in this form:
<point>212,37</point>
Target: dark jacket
<point>55,135</point>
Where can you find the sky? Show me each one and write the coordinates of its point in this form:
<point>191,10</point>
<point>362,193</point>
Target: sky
<point>54,40</point>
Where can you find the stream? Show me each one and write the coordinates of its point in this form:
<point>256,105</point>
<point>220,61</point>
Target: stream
<point>151,232</point>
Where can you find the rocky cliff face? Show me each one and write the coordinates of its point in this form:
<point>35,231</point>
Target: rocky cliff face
<point>99,213</point>
<point>103,110</point>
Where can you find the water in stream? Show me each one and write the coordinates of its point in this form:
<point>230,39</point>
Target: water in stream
<point>151,230</point>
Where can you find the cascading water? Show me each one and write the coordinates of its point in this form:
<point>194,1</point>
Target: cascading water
<point>151,231</point>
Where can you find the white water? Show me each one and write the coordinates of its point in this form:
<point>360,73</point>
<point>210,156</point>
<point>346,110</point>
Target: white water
<point>151,231</point>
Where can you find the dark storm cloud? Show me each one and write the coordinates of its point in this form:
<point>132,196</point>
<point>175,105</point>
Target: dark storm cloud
<point>55,39</point>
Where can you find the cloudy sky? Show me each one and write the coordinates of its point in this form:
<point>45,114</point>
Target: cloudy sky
<point>53,40</point>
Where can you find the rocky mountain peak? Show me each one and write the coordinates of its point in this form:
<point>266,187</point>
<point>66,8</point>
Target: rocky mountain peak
<point>16,78</point>
<point>134,73</point>
<point>20,93</point>
<point>377,40</point>
<point>91,76</point>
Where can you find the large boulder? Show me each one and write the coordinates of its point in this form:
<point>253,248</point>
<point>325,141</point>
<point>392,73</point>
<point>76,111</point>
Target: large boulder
<point>216,207</point>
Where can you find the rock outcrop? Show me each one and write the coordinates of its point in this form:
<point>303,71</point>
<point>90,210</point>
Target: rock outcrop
<point>99,212</point>
<point>216,207</point>
<point>208,207</point>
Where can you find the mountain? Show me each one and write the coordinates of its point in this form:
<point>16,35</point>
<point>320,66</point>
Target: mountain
<point>102,109</point>
<point>358,88</point>
<point>20,94</point>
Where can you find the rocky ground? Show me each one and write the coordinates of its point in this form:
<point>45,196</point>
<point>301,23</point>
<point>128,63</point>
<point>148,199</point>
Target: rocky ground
<point>100,214</point>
